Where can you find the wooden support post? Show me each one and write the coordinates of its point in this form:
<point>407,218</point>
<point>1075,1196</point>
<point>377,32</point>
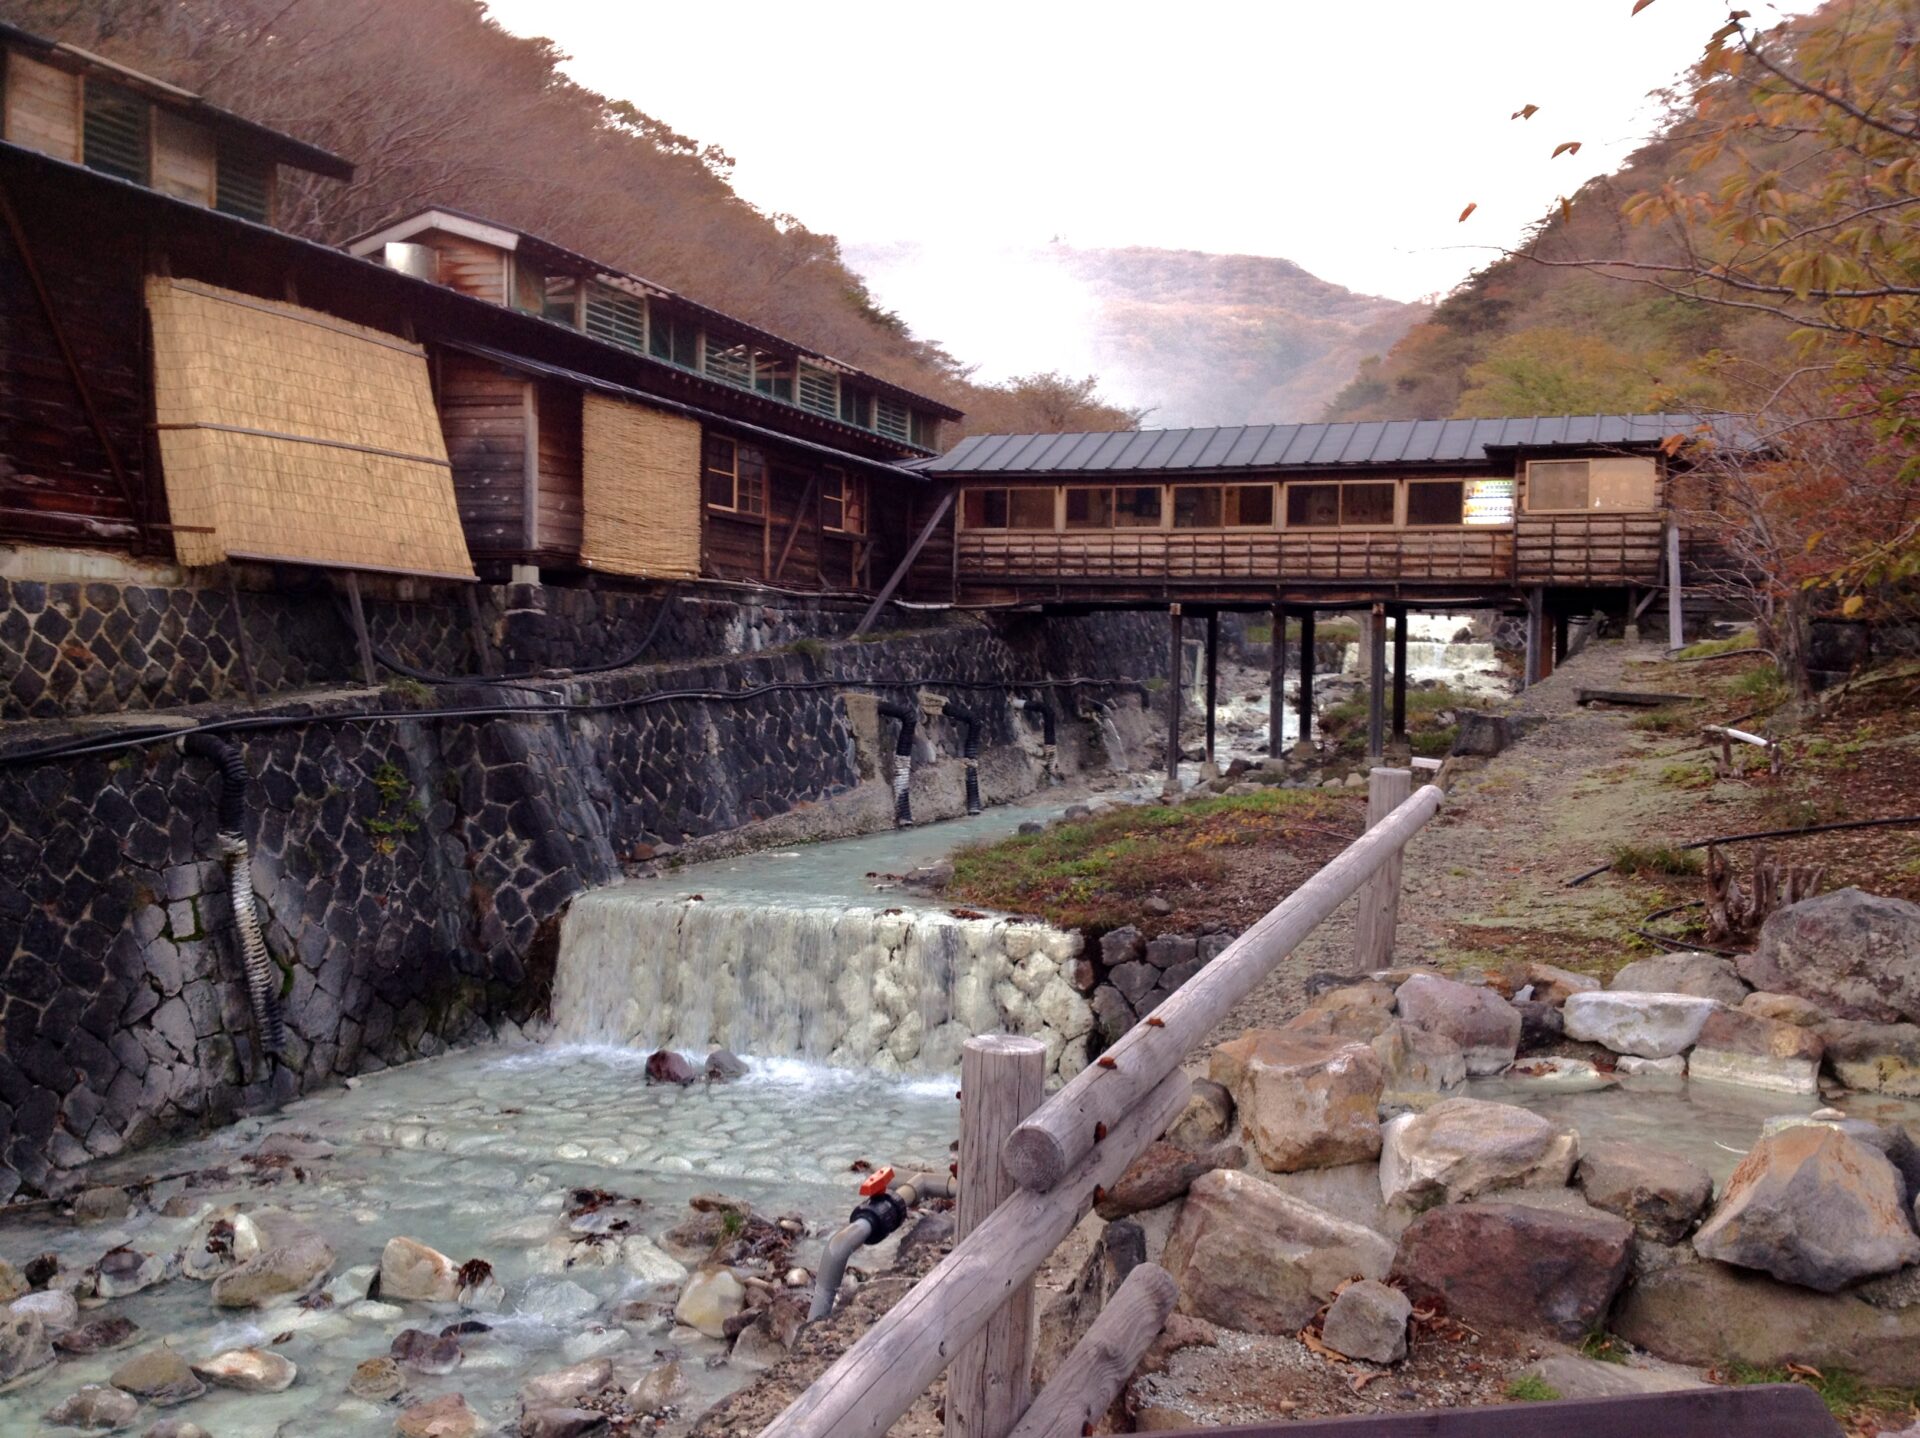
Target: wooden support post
<point>1213,675</point>
<point>1377,682</point>
<point>1676,621</point>
<point>1561,622</point>
<point>1046,1148</point>
<point>243,646</point>
<point>1277,685</point>
<point>1303,742</point>
<point>1400,675</point>
<point>1536,662</point>
<point>1002,1080</point>
<point>877,1379</point>
<point>1379,911</point>
<point>1102,1362</point>
<point>360,635</point>
<point>906,563</point>
<point>1175,658</point>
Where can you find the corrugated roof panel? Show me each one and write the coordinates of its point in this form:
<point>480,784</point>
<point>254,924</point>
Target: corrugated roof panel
<point>1220,445</point>
<point>1359,445</point>
<point>1081,451</point>
<point>1293,443</point>
<point>1193,443</point>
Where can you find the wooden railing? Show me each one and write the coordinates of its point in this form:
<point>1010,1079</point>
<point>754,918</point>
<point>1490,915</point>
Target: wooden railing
<point>1052,1160</point>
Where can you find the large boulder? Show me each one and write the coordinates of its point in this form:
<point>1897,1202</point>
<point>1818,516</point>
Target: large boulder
<point>285,1269</point>
<point>1514,1267</point>
<point>1368,1321</point>
<point>1811,1205</point>
<point>1651,1025</point>
<point>1709,1314</point>
<point>1855,954</point>
<point>1305,1100</point>
<point>160,1376</point>
<point>1705,976</point>
<point>1739,1047</point>
<point>1875,1058</point>
<point>1162,1173</point>
<point>1658,1192</point>
<point>1464,1147</point>
<point>1415,1060</point>
<point>95,1408</point>
<point>1251,1258</point>
<point>24,1347</point>
<point>1484,1025</point>
<point>1207,1118</point>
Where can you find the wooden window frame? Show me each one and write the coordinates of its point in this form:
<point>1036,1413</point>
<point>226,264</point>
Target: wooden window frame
<point>1406,504</point>
<point>1159,525</point>
<point>849,504</point>
<point>1171,508</point>
<point>1340,526</point>
<point>1009,490</point>
<point>1589,508</point>
<point>737,485</point>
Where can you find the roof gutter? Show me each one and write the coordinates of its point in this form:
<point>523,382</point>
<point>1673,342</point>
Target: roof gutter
<point>706,416</point>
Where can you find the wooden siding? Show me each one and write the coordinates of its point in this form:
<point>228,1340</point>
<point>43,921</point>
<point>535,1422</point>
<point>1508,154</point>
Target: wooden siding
<point>43,108</point>
<point>470,267</point>
<point>557,517</point>
<point>483,413</point>
<point>183,158</point>
<point>1581,549</point>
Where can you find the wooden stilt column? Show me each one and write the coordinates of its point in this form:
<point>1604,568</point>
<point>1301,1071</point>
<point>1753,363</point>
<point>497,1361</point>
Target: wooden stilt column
<point>1303,746</point>
<point>1400,676</point>
<point>360,635</point>
<point>1676,619</point>
<point>1175,658</point>
<point>1277,684</point>
<point>1560,624</point>
<point>1538,665</point>
<point>1377,682</point>
<point>1002,1080</point>
<point>1213,675</point>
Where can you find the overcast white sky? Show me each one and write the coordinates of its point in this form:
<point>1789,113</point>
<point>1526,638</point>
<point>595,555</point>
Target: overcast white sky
<point>1344,136</point>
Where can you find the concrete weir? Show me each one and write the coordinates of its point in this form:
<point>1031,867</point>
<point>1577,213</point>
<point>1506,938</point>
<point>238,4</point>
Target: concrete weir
<point>887,989</point>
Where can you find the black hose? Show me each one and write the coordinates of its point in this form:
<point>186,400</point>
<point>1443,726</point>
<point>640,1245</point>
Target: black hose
<point>633,656</point>
<point>263,987</point>
<point>1577,880</point>
<point>908,717</point>
<point>969,752</point>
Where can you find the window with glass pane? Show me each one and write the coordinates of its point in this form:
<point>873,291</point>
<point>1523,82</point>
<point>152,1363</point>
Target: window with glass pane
<point>1030,509</point>
<point>673,340</point>
<point>926,430</point>
<point>560,303</point>
<point>1137,506</point>
<point>1557,484</point>
<point>1247,505</point>
<point>114,135</point>
<point>1313,506</point>
<point>1089,509</point>
<point>719,471</point>
<point>856,406</point>
<point>1436,501</point>
<point>1362,504</point>
<point>750,492</point>
<point>854,505</point>
<point>773,375</point>
<point>984,509</point>
<point>1196,506</point>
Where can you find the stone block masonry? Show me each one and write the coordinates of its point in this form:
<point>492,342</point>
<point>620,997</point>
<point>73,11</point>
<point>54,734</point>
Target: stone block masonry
<point>410,870</point>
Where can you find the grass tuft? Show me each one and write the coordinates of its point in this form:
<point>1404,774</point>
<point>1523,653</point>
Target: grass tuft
<point>1644,860</point>
<point>1531,1388</point>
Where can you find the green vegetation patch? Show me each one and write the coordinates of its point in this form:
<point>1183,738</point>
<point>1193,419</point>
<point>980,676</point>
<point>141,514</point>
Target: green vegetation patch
<point>1713,648</point>
<point>1094,873</point>
<point>1344,725</point>
<point>1644,860</point>
<point>1848,1397</point>
<point>1531,1388</point>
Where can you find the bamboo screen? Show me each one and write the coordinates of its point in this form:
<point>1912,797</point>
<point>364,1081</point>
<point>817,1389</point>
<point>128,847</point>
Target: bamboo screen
<point>298,437</point>
<point>641,476</point>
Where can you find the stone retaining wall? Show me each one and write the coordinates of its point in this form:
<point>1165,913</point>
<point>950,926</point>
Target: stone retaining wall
<point>410,870</point>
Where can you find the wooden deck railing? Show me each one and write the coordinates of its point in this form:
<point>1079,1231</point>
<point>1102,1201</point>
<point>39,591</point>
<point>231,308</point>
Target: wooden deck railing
<point>1061,1155</point>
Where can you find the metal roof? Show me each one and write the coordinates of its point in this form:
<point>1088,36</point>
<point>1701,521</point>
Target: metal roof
<point>1312,446</point>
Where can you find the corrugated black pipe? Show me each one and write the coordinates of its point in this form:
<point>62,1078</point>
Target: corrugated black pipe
<point>263,987</point>
<point>969,751</point>
<point>908,718</point>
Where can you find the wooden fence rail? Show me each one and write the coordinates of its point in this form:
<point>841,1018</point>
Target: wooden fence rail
<point>1076,1144</point>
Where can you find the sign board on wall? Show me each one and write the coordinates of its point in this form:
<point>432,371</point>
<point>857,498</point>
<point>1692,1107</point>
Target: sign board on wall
<point>1488,501</point>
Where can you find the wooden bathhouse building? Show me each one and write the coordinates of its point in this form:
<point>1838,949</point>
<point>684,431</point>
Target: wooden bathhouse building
<point>184,382</point>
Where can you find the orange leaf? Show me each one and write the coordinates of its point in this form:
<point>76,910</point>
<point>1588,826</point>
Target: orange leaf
<point>1469,210</point>
<point>1852,607</point>
<point>1566,208</point>
<point>1565,147</point>
<point>1527,112</point>
<point>1638,6</point>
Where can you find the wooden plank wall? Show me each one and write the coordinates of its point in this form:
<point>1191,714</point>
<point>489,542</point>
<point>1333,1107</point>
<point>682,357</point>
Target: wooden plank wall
<point>483,413</point>
<point>1582,549</point>
<point>183,158</point>
<point>43,108</point>
<point>471,268</point>
<point>557,527</point>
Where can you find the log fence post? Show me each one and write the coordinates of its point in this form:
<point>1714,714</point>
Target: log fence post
<point>1379,912</point>
<point>1002,1080</point>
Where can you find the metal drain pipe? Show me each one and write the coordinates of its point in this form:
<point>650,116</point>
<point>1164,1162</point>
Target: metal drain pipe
<point>908,718</point>
<point>969,751</point>
<point>263,987</point>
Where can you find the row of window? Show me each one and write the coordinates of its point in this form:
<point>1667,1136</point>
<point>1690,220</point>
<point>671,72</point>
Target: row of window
<point>1553,486</point>
<point>734,479</point>
<point>624,319</point>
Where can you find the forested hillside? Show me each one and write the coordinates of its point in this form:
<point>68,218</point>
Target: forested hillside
<point>436,104</point>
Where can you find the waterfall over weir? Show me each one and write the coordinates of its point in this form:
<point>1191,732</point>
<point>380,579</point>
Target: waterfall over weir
<point>892,990</point>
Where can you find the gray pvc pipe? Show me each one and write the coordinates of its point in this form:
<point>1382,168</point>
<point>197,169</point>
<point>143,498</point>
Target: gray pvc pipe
<point>840,1248</point>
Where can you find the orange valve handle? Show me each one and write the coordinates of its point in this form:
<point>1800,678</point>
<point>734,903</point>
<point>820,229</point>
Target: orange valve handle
<point>880,1180</point>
